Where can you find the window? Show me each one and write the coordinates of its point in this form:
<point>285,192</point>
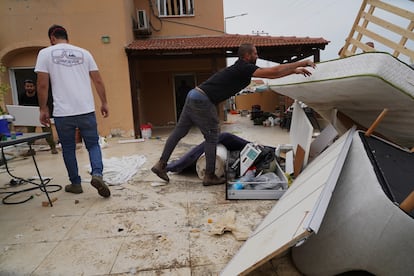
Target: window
<point>175,7</point>
<point>17,78</point>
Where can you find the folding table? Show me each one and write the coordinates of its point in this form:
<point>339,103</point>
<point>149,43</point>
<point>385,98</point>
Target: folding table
<point>27,138</point>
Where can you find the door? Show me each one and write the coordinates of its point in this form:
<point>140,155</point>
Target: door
<point>183,84</point>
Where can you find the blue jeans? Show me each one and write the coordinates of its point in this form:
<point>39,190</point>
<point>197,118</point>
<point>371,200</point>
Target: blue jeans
<point>198,111</point>
<point>66,128</point>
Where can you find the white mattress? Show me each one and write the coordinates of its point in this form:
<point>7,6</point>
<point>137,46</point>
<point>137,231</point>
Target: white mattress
<point>360,87</point>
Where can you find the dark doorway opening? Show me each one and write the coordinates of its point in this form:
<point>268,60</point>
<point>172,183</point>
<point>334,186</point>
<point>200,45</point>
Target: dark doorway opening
<point>20,75</point>
<point>183,84</point>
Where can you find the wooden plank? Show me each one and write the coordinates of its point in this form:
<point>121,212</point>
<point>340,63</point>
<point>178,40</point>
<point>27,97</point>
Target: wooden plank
<point>344,52</point>
<point>408,203</point>
<point>390,26</point>
<point>387,42</point>
<point>298,163</point>
<point>368,17</point>
<point>392,9</point>
<point>376,122</point>
<point>361,45</point>
<point>404,39</point>
<point>364,25</point>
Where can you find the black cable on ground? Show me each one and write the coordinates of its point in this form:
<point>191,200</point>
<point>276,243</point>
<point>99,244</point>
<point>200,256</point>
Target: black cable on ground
<point>43,188</point>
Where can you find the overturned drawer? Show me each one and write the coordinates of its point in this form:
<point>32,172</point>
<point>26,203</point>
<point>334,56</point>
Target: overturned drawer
<point>256,190</point>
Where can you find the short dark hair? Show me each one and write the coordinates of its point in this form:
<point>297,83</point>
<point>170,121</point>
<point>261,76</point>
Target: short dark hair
<point>29,81</point>
<point>58,32</point>
<point>245,48</point>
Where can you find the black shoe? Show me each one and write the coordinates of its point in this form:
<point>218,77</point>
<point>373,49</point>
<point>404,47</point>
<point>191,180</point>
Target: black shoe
<point>98,183</point>
<point>159,169</point>
<point>74,189</point>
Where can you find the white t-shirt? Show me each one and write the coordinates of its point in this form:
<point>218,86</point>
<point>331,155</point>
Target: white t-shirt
<point>68,67</point>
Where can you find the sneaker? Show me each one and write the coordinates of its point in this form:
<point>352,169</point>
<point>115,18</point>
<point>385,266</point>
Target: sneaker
<point>30,152</point>
<point>98,183</point>
<point>74,189</point>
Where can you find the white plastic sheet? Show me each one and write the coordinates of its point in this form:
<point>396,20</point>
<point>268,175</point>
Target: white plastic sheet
<point>118,170</point>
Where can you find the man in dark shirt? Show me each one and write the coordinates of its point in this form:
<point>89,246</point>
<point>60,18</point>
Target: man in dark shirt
<point>29,98</point>
<point>200,110</point>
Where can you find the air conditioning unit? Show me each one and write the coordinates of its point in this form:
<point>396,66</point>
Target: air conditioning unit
<point>142,20</point>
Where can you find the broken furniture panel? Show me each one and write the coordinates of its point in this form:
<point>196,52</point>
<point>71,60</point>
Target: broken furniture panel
<point>364,228</point>
<point>301,132</point>
<point>297,214</point>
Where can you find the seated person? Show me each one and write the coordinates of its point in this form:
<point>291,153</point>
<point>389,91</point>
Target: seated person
<point>29,98</point>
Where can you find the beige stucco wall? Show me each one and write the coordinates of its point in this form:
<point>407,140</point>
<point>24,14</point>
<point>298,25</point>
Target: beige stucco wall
<point>208,19</point>
<point>23,31</point>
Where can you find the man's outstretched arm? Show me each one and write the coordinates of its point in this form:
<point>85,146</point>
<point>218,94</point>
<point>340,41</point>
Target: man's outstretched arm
<point>286,69</point>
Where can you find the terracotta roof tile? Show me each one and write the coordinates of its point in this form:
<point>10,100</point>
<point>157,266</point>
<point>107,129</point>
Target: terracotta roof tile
<point>219,42</point>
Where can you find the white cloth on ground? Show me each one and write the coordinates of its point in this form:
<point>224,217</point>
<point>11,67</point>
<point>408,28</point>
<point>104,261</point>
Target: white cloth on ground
<point>118,170</point>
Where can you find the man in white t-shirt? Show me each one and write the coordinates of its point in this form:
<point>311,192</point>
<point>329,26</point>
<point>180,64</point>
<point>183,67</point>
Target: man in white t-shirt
<point>70,70</point>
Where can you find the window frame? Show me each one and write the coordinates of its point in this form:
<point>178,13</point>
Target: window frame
<point>17,75</point>
<point>163,10</point>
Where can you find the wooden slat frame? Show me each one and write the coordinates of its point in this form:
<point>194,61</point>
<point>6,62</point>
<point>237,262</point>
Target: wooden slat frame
<point>390,26</point>
<point>361,30</point>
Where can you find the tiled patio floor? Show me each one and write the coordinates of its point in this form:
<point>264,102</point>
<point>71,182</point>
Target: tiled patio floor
<point>144,228</point>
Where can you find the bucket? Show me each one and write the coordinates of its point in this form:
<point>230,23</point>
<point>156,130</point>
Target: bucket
<point>146,131</point>
<point>4,127</point>
<point>221,158</point>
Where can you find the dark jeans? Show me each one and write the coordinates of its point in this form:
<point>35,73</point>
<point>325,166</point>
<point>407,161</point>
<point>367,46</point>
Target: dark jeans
<point>230,141</point>
<point>202,113</point>
<point>66,127</point>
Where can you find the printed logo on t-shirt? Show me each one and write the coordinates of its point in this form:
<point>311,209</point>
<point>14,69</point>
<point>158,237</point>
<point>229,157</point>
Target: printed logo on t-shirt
<point>67,57</point>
